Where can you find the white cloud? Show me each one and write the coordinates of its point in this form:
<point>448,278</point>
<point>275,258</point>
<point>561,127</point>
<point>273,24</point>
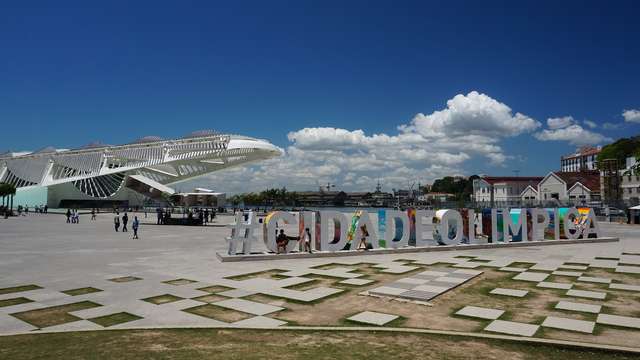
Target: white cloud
<point>632,115</point>
<point>560,122</point>
<point>474,112</point>
<point>611,126</point>
<point>591,124</point>
<point>574,134</point>
<point>429,147</point>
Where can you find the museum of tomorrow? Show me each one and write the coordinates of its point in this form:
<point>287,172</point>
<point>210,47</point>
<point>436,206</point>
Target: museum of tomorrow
<point>99,175</point>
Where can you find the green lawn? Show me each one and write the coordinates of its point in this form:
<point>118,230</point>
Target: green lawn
<point>254,344</point>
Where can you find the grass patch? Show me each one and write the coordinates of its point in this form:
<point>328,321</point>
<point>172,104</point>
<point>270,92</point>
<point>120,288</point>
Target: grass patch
<point>14,301</point>
<point>521,264</point>
<point>226,344</point>
<point>328,266</point>
<point>209,298</point>
<point>81,291</point>
<point>162,299</point>
<point>179,282</point>
<point>21,288</point>
<point>124,279</point>
<point>267,274</point>
<point>305,285</point>
<point>54,315</point>
<point>266,297</point>
<point>218,313</point>
<point>114,319</point>
<point>215,289</point>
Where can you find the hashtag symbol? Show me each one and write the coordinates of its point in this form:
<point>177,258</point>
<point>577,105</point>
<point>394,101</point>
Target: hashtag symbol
<point>243,233</point>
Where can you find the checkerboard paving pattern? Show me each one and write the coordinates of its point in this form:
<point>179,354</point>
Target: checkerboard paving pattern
<point>426,285</point>
<point>153,300</point>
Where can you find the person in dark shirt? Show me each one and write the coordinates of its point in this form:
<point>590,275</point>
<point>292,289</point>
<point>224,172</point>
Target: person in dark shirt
<point>125,220</point>
<point>135,226</point>
<point>282,240</point>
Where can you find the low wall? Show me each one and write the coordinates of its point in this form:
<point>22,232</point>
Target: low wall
<point>404,250</point>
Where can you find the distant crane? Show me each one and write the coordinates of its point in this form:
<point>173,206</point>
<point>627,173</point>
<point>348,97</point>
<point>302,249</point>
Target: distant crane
<point>327,187</point>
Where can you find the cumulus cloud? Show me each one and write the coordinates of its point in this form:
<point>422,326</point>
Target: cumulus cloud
<point>474,112</point>
<point>574,134</point>
<point>560,122</point>
<point>632,115</point>
<point>591,124</point>
<point>430,146</point>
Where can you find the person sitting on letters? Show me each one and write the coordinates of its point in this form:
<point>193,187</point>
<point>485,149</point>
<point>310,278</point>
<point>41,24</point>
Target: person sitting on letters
<point>282,240</point>
<point>363,240</point>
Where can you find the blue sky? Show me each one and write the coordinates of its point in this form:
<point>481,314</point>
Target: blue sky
<point>72,73</point>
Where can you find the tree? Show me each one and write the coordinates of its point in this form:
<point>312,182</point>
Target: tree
<point>461,188</point>
<point>620,150</point>
<point>7,189</point>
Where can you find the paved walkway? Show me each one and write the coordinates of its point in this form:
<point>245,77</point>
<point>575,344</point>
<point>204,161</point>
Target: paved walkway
<point>170,277</point>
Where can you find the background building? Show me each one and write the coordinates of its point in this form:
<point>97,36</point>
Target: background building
<point>583,159</point>
<point>502,190</point>
<point>573,187</point>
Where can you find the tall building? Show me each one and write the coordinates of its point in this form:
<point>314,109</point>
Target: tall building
<point>584,159</point>
<point>99,175</point>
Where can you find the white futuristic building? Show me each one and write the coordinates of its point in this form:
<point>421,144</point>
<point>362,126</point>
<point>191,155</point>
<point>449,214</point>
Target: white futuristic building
<point>99,175</point>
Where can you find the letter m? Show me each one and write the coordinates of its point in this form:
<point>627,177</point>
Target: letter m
<point>510,227</point>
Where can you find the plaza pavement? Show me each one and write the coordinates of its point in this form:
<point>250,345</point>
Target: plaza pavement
<point>170,269</point>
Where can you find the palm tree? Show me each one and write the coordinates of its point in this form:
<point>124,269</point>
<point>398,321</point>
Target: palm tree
<point>7,189</point>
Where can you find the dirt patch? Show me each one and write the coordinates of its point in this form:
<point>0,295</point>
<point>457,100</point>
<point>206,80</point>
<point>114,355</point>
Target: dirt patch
<point>210,298</point>
<point>218,313</point>
<point>162,299</point>
<point>124,279</point>
<point>179,282</point>
<point>215,289</point>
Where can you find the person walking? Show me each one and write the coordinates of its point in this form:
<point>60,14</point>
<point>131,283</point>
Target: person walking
<point>68,216</point>
<point>125,220</point>
<point>135,226</point>
<point>93,214</point>
<point>116,222</point>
